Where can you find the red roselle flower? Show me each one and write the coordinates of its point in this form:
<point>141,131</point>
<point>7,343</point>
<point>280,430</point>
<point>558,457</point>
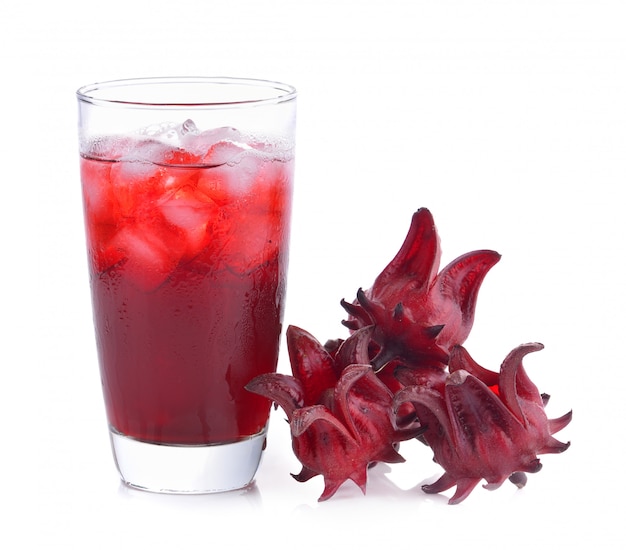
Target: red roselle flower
<point>340,413</point>
<point>402,373</point>
<point>418,313</point>
<point>484,425</point>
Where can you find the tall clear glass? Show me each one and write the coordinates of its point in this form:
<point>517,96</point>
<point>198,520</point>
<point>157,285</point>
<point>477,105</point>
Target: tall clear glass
<point>187,186</point>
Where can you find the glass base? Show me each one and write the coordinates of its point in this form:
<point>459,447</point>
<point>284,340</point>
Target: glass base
<point>190,469</point>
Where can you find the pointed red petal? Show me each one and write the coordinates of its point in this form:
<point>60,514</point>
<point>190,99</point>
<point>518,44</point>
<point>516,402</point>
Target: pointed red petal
<point>355,349</point>
<point>442,484</point>
<point>348,378</point>
<point>458,285</point>
<point>460,359</point>
<point>431,410</point>
<point>557,424</point>
<point>417,261</point>
<point>515,384</point>
<point>284,390</point>
<point>330,488</point>
<point>304,418</point>
<point>365,405</point>
<point>463,489</point>
<point>495,482</point>
<point>476,412</point>
<point>311,364</point>
<point>305,474</point>
<point>552,445</point>
<point>359,477</point>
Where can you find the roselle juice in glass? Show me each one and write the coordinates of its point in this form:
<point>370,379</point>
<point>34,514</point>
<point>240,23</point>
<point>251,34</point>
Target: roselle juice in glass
<point>187,213</point>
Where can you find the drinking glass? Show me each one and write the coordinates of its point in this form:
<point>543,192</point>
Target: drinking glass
<point>187,187</point>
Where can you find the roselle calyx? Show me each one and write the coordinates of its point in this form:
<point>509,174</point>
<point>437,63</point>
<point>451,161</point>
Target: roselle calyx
<point>484,425</point>
<point>403,373</point>
<point>340,413</point>
<point>420,313</point>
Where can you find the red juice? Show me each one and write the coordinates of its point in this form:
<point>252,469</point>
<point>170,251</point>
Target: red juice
<point>187,253</point>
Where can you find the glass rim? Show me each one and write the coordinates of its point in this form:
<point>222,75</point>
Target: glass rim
<point>282,92</point>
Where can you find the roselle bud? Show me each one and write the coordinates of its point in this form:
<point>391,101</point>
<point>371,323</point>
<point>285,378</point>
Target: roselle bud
<point>419,314</point>
<point>340,425</point>
<point>479,431</point>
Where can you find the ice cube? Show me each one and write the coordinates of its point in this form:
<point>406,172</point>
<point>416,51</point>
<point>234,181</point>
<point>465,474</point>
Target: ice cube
<point>191,215</point>
<point>130,171</point>
<point>96,191</point>
<point>224,152</point>
<point>164,131</point>
<point>131,182</point>
<point>158,153</point>
<point>233,175</point>
<point>131,178</point>
<point>108,147</point>
<point>200,143</point>
<point>167,143</point>
<point>150,256</point>
<point>188,127</point>
<point>173,134</point>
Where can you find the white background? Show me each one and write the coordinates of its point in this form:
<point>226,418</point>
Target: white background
<point>507,119</point>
